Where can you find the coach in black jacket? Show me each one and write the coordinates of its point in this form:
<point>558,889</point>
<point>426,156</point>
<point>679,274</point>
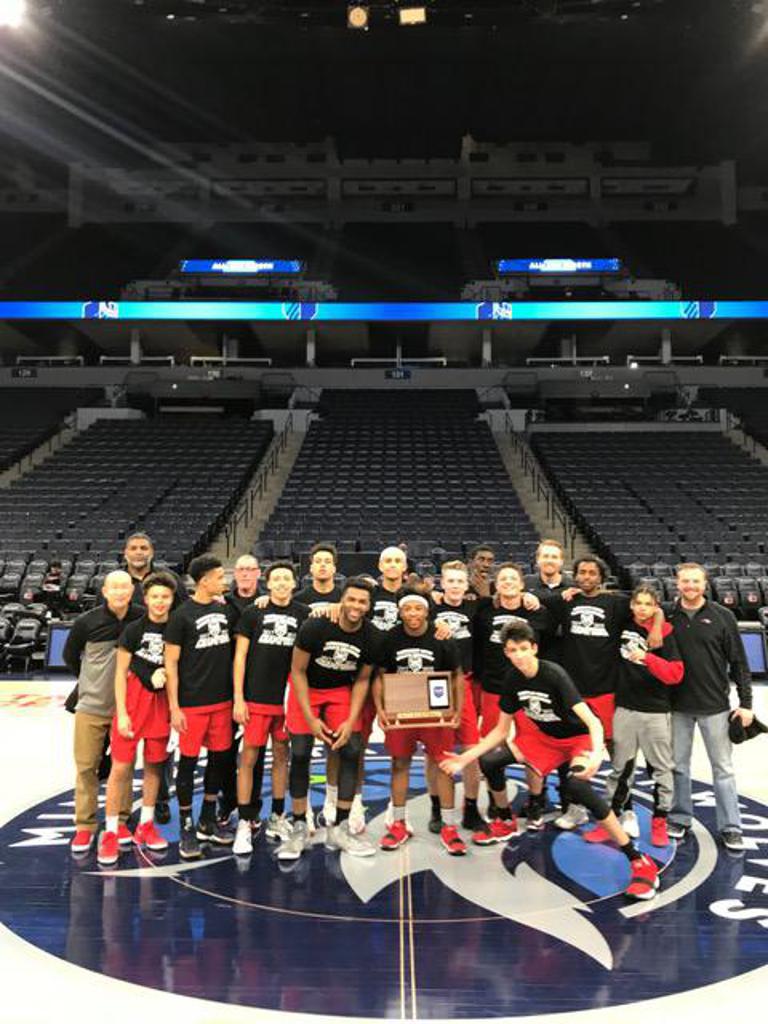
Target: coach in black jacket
<point>713,653</point>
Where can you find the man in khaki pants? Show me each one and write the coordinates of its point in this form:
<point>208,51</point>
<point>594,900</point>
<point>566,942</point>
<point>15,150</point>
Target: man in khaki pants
<point>90,653</point>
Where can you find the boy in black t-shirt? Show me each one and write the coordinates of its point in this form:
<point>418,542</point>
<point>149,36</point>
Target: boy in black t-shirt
<point>323,590</point>
<point>198,665</point>
<point>330,674</point>
<point>411,647</point>
<point>141,714</point>
<point>553,726</point>
<point>265,639</point>
<point>644,689</point>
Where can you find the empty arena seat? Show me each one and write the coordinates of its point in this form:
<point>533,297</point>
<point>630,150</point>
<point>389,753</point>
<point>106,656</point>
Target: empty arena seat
<point>413,466</point>
<point>702,500</point>
<point>174,478</point>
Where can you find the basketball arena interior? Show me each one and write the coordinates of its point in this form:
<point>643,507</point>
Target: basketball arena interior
<point>466,281</point>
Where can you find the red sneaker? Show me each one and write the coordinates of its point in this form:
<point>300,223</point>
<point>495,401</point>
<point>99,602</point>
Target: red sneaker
<point>82,841</point>
<point>596,835</point>
<point>109,848</point>
<point>452,841</point>
<point>659,834</point>
<point>147,835</point>
<point>124,835</point>
<point>645,879</point>
<point>498,831</point>
<point>397,833</point>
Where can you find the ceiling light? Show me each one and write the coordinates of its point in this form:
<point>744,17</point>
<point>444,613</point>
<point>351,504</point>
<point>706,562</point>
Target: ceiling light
<point>357,16</point>
<point>12,13</point>
<point>412,15</point>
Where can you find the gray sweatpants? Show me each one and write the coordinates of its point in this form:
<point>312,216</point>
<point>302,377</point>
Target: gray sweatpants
<point>650,732</point>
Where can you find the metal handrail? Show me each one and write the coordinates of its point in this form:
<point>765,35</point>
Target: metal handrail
<point>243,514</point>
<point>542,489</point>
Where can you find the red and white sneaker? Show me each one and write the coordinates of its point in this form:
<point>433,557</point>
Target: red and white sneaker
<point>397,833</point>
<point>452,841</point>
<point>645,879</point>
<point>109,848</point>
<point>659,834</point>
<point>82,841</point>
<point>124,835</point>
<point>498,831</point>
<point>596,835</point>
<point>147,835</point>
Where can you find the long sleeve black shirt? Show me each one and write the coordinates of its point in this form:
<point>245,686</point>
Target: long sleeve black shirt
<point>713,654</point>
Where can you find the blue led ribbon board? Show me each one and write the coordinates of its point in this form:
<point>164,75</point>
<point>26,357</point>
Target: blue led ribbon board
<point>404,312</point>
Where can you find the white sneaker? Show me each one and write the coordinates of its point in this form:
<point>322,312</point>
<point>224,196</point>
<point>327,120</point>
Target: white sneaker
<point>630,824</point>
<point>243,839</point>
<point>299,839</point>
<point>278,827</point>
<point>311,820</point>
<point>575,815</point>
<point>340,837</point>
<point>357,816</point>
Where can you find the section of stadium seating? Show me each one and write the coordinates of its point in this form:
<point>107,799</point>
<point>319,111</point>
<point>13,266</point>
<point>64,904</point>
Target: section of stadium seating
<point>648,501</point>
<point>174,478</point>
<point>28,419</point>
<point>747,403</point>
<point>378,468</point>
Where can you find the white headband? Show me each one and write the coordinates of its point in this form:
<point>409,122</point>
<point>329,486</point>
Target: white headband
<point>413,597</point>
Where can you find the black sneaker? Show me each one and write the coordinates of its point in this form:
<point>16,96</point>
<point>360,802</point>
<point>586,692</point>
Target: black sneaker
<point>534,815</point>
<point>224,814</point>
<point>435,822</point>
<point>472,819</point>
<point>733,840</point>
<point>212,832</point>
<point>162,812</point>
<point>676,830</point>
<point>189,848</point>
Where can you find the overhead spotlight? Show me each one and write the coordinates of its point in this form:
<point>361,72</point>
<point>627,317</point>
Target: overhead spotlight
<point>12,13</point>
<point>357,16</point>
<point>412,14</point>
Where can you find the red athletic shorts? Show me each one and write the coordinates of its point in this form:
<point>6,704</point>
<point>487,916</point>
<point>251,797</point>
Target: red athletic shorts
<point>331,704</point>
<point>476,691</point>
<point>468,733</point>
<point>604,707</point>
<point>367,718</point>
<point>489,710</point>
<point>545,753</point>
<point>264,720</point>
<point>150,721</point>
<point>402,742</point>
<point>208,726</point>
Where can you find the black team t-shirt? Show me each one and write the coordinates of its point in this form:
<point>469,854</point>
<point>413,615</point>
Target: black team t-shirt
<point>547,700</point>
<point>146,642</point>
<point>204,634</point>
<point>384,612</point>
<point>460,618</point>
<point>314,599</point>
<point>592,628</point>
<point>490,663</point>
<point>272,633</point>
<point>402,652</point>
<point>336,656</point>
<point>637,686</point>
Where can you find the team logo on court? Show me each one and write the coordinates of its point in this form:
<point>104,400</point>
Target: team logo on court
<point>540,924</point>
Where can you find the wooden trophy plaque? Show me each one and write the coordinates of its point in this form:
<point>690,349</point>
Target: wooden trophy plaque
<point>418,699</point>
